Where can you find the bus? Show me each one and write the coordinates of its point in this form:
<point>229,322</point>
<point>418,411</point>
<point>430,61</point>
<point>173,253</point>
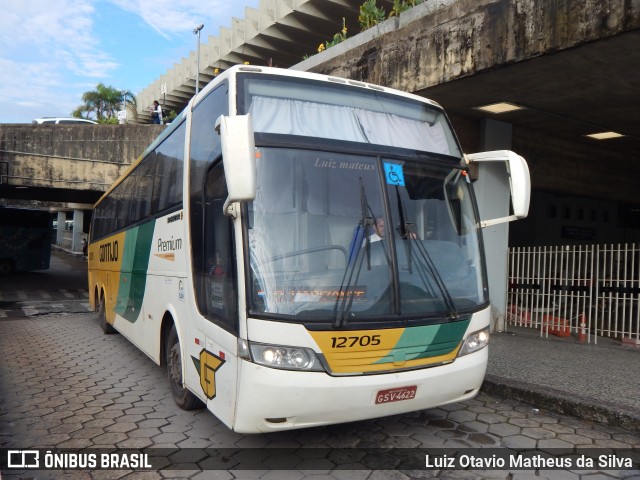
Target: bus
<point>25,240</point>
<point>244,251</point>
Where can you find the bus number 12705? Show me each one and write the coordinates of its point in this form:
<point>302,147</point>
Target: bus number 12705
<point>348,342</point>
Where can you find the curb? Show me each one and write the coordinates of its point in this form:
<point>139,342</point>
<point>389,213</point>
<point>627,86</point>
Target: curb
<point>607,413</point>
<point>77,255</point>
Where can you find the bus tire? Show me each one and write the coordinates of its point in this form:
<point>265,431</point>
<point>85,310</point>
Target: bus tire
<point>182,396</point>
<point>101,310</point>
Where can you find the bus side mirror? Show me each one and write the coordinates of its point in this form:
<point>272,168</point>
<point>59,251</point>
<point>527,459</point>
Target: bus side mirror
<point>238,156</point>
<point>519,181</point>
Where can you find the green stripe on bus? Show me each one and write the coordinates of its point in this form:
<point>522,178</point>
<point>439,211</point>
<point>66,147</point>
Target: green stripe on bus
<point>448,338</point>
<point>427,341</point>
<point>133,279</point>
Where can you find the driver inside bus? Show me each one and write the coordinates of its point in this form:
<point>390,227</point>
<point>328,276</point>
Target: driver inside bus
<point>379,230</point>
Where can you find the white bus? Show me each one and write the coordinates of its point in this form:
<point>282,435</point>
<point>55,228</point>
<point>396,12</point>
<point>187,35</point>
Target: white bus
<point>245,251</point>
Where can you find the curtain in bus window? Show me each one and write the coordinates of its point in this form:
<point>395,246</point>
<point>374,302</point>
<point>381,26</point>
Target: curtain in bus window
<point>296,117</point>
<point>387,129</point>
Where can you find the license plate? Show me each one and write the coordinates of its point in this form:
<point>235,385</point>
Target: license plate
<point>396,394</point>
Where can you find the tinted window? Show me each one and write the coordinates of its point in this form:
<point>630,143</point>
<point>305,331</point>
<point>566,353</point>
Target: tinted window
<point>154,186</point>
<point>205,147</point>
<point>218,287</point>
<point>168,175</point>
<point>141,206</point>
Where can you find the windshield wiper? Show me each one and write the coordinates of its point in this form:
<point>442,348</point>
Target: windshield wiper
<point>431,266</point>
<point>345,298</point>
<point>408,233</point>
<point>365,221</point>
<point>404,227</point>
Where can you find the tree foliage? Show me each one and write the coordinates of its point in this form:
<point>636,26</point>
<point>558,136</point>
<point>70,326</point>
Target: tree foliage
<point>103,104</point>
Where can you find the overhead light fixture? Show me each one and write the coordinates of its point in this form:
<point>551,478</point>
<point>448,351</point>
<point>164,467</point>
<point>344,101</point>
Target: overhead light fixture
<point>604,135</point>
<point>500,107</point>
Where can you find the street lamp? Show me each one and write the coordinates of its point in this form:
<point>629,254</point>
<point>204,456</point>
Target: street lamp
<point>197,32</point>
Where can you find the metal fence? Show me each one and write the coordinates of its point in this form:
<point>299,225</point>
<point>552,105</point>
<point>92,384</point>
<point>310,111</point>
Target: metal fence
<point>584,291</point>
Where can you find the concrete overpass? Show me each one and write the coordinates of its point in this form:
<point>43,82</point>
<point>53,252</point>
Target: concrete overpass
<point>66,168</point>
<point>574,69</point>
<point>279,33</point>
<point>572,65</point>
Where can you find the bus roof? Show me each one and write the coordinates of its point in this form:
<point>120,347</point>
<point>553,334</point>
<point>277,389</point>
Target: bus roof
<point>230,73</point>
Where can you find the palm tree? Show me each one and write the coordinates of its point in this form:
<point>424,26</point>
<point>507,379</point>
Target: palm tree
<point>104,102</point>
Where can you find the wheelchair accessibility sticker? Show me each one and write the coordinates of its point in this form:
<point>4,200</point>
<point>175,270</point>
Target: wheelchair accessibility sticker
<point>394,174</point>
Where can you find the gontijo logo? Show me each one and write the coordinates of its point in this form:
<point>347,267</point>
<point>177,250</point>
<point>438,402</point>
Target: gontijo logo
<point>109,251</point>
<point>207,365</point>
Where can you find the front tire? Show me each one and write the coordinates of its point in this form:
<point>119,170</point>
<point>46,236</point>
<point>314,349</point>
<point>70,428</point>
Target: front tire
<point>183,397</point>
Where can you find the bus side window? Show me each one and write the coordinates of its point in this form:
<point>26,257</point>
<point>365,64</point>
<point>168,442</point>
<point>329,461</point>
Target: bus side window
<point>220,283</point>
<point>167,188</point>
<point>204,149</point>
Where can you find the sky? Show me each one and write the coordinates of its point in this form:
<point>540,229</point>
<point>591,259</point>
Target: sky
<point>52,51</point>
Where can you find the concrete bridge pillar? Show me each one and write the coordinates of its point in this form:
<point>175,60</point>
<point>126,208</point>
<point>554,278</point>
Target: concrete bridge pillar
<point>78,222</point>
<point>62,218</point>
<point>494,199</point>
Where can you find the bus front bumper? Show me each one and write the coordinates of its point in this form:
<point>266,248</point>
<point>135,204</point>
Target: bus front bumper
<point>271,400</point>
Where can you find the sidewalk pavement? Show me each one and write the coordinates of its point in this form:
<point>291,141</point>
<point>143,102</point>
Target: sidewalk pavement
<point>598,382</point>
<point>66,250</point>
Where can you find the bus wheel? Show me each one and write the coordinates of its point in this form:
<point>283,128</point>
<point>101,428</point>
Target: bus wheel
<point>102,318</point>
<point>183,397</point>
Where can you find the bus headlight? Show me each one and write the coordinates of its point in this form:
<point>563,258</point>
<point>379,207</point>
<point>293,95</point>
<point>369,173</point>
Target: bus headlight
<point>286,358</point>
<point>475,341</point>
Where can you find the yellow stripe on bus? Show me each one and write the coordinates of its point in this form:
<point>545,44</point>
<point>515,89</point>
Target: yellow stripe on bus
<point>105,264</point>
<point>390,349</point>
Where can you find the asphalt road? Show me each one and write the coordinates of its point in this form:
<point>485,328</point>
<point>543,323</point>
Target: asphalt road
<point>61,289</point>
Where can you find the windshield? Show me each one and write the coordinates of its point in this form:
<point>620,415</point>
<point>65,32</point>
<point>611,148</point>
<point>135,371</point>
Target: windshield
<point>343,238</point>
